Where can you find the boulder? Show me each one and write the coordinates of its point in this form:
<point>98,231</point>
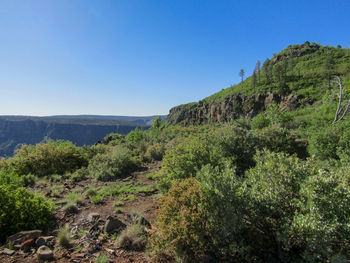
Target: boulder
<point>113,225</point>
<point>40,242</point>
<point>27,245</point>
<point>8,252</point>
<point>20,237</point>
<point>93,217</point>
<point>44,253</point>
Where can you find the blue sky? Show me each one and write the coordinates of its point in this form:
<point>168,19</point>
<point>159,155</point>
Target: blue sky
<point>142,57</point>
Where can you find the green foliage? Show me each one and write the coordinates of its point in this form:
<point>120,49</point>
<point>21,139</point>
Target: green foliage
<point>102,258</point>
<point>133,237</point>
<point>283,210</point>
<point>63,236</point>
<point>135,136</point>
<point>299,69</point>
<point>22,210</point>
<point>279,139</point>
<point>53,157</point>
<point>155,152</point>
<point>111,165</point>
<point>181,224</point>
<point>231,144</point>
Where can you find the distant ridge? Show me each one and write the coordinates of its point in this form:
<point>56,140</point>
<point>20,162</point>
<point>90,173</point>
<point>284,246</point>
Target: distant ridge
<point>80,129</point>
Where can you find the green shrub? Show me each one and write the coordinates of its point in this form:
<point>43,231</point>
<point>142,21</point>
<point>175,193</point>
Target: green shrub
<point>63,237</point>
<point>111,165</point>
<point>53,157</point>
<point>79,175</point>
<point>260,121</point>
<point>7,178</point>
<point>134,237</point>
<point>22,210</point>
<point>231,144</point>
<point>155,152</point>
<point>181,227</point>
<point>279,139</point>
<point>283,210</point>
<point>324,143</point>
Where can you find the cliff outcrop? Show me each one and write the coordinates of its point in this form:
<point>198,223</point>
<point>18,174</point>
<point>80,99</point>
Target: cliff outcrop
<point>231,108</point>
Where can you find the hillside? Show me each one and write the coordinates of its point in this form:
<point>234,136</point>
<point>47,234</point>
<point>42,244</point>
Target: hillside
<point>296,77</point>
<point>81,130</point>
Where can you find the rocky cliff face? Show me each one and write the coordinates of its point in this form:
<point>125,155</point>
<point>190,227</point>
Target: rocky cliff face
<point>232,107</point>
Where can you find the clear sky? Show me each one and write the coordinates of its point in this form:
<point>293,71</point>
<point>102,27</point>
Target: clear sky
<point>142,57</point>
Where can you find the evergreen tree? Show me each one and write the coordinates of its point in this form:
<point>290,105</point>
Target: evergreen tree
<point>268,71</point>
<point>254,81</point>
<point>257,69</point>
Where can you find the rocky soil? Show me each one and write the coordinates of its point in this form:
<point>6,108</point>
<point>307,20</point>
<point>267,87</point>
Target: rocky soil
<point>94,229</point>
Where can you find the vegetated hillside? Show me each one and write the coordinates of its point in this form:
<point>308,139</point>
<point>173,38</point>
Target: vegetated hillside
<point>17,130</point>
<point>296,77</point>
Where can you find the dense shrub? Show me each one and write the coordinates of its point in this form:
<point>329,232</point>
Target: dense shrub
<point>283,210</point>
<point>278,139</point>
<point>324,142</point>
<point>22,210</point>
<point>53,157</point>
<point>113,164</point>
<point>185,161</point>
<point>155,152</point>
<point>231,144</point>
<point>181,229</point>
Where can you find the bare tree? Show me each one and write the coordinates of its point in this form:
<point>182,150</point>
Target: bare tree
<point>340,113</point>
<point>241,74</point>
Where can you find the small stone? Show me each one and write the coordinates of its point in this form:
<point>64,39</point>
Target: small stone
<point>44,253</point>
<point>93,217</point>
<point>54,232</point>
<point>8,252</point>
<point>26,245</point>
<point>40,242</point>
<point>20,237</point>
<point>113,225</point>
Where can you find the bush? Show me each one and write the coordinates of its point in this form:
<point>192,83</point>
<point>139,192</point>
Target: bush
<point>181,227</point>
<point>231,144</point>
<point>155,152</point>
<point>133,237</point>
<point>22,210</point>
<point>279,139</point>
<point>283,210</point>
<point>53,157</point>
<point>324,142</point>
<point>113,164</point>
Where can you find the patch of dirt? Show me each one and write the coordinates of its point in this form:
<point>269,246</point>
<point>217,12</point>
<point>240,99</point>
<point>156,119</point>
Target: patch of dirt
<point>87,245</point>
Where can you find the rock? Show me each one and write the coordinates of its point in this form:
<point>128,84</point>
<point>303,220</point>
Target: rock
<point>137,219</point>
<point>26,245</point>
<point>113,225</point>
<point>20,237</point>
<point>93,217</point>
<point>40,242</point>
<point>54,232</point>
<point>44,253</point>
<point>71,209</point>
<point>8,252</point>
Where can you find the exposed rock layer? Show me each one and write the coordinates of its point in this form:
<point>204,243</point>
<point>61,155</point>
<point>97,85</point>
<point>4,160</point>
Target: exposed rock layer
<point>232,107</point>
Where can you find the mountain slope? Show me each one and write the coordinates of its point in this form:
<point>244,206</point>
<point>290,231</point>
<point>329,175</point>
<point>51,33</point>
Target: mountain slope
<point>296,77</point>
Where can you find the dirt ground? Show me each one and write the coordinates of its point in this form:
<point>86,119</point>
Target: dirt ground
<point>141,203</point>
